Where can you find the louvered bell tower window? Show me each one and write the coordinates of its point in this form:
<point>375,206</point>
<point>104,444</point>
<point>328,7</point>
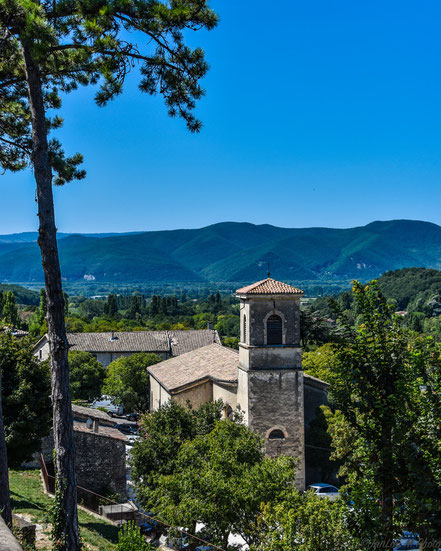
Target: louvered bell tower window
<point>244,329</point>
<point>274,330</point>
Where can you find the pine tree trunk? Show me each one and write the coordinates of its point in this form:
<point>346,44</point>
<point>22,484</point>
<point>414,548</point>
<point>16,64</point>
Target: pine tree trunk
<point>58,346</point>
<point>5,500</point>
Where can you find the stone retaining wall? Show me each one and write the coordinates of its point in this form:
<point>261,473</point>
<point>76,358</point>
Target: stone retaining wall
<point>7,540</point>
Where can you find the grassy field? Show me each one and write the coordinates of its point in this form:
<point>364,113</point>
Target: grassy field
<point>28,498</point>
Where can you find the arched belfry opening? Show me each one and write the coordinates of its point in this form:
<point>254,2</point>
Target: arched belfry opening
<point>276,434</point>
<point>274,330</point>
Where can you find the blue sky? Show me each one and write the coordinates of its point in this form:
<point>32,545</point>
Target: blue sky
<point>317,113</point>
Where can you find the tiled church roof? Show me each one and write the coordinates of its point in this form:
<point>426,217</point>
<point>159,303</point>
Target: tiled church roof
<point>269,286</point>
<point>212,362</point>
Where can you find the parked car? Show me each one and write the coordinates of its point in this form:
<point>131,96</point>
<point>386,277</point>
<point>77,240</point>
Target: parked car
<point>324,490</point>
<point>106,403</point>
<point>132,416</point>
<point>407,542</point>
<point>146,528</point>
<point>126,428</point>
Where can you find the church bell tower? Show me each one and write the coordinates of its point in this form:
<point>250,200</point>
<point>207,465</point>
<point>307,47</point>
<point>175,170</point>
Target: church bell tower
<point>270,377</point>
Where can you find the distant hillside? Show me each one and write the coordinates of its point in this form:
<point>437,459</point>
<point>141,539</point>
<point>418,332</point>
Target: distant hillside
<point>22,295</point>
<point>416,291</point>
<point>231,252</point>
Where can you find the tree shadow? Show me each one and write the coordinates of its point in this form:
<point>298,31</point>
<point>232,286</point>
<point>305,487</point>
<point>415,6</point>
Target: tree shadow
<point>19,501</point>
<point>107,531</point>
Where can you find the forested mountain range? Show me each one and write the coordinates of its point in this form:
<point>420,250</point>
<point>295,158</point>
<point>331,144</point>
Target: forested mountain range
<point>230,252</point>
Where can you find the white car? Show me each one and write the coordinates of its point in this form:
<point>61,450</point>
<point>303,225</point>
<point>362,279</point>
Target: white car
<point>324,490</point>
<point>106,402</point>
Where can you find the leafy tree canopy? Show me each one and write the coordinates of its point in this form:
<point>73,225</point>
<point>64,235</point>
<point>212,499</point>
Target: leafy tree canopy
<point>166,429</point>
<point>26,393</point>
<point>306,523</point>
<point>320,363</point>
<point>387,393</point>
<point>86,376</point>
<point>128,382</point>
<point>221,479</point>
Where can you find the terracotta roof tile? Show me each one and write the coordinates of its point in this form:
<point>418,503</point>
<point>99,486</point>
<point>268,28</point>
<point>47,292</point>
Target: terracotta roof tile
<point>269,287</point>
<point>176,342</point>
<point>84,412</point>
<point>213,362</point>
<point>185,341</point>
<point>136,341</point>
<point>108,432</point>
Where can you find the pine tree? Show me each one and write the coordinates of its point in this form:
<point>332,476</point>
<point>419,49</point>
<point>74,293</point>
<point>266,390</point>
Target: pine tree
<point>48,46</point>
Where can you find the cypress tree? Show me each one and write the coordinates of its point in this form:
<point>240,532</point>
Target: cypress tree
<point>134,309</point>
<point>163,306</point>
<point>154,306</point>
<point>10,312</point>
<point>42,307</point>
<point>111,306</point>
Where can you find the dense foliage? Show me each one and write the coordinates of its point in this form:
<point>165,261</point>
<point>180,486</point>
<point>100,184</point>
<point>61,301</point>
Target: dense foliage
<point>167,429</point>
<point>26,398</point>
<point>8,309</point>
<point>387,393</point>
<point>194,467</point>
<point>127,381</point>
<point>307,523</point>
<point>131,539</point>
<point>415,293</point>
<point>86,376</point>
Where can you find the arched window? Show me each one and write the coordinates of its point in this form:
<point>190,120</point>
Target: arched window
<point>244,328</point>
<point>276,434</point>
<point>274,330</point>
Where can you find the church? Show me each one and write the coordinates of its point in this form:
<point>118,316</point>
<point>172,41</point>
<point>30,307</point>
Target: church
<point>264,378</point>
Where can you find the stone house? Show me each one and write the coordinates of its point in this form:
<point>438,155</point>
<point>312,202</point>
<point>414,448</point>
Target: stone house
<point>265,378</point>
<point>100,459</point>
<point>107,347</point>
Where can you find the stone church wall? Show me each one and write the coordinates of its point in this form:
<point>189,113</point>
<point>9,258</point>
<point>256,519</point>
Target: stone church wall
<point>276,401</point>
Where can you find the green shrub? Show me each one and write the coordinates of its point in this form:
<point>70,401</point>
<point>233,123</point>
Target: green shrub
<point>131,539</point>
